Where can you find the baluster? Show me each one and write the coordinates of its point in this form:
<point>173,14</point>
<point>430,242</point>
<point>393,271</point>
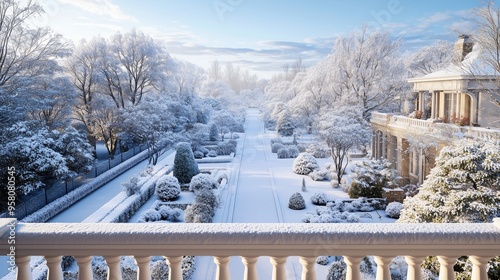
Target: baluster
<point>250,267</point>
<point>23,267</point>
<point>55,269</point>
<point>279,272</point>
<point>446,268</point>
<point>414,267</point>
<point>84,268</point>
<point>175,272</point>
<point>353,272</point>
<point>222,268</point>
<point>142,263</point>
<point>114,271</point>
<point>308,271</point>
<point>480,267</point>
<point>383,269</point>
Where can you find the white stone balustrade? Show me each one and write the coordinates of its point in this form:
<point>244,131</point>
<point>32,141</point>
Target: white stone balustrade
<point>353,241</point>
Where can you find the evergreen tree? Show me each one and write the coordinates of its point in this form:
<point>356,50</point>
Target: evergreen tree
<point>185,167</point>
<point>284,125</point>
<point>464,186</point>
<point>213,136</point>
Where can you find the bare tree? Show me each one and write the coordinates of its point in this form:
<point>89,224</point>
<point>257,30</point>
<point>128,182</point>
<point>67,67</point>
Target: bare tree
<point>487,34</point>
<point>215,71</point>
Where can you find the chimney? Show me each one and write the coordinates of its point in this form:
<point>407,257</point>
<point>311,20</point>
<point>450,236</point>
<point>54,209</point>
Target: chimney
<point>463,46</point>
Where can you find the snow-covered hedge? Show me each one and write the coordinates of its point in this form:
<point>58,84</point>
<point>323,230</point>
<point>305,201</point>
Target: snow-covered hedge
<point>324,214</point>
<point>66,201</point>
<point>161,212</point>
<point>212,153</point>
<point>198,154</point>
<point>283,152</point>
<point>304,164</point>
<point>167,188</point>
<point>393,209</point>
<point>296,202</point>
<point>276,147</point>
<point>208,197</point>
<point>198,213</point>
<point>203,181</point>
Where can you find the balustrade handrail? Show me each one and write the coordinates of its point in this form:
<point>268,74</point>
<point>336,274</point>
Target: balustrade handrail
<point>255,239</point>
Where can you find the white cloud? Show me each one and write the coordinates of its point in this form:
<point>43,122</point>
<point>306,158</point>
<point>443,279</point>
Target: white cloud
<point>101,8</point>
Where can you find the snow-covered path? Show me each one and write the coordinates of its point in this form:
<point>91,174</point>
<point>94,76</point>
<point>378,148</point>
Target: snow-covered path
<point>91,203</point>
<point>255,199</point>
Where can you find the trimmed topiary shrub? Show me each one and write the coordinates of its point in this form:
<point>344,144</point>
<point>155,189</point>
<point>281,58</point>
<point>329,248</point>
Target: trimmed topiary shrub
<point>304,164</point>
<point>167,188</point>
<point>296,202</point>
<point>323,260</point>
<point>185,167</point>
<point>214,133</point>
<point>393,209</point>
<point>203,181</point>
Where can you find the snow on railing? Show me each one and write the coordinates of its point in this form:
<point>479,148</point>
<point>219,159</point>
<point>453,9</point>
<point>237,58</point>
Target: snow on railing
<point>380,118</point>
<point>353,241</point>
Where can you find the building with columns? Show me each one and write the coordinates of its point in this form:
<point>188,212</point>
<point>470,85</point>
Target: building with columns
<point>456,101</point>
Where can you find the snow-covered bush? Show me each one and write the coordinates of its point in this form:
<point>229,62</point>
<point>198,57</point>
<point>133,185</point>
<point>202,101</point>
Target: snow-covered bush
<point>410,190</point>
<point>208,197</point>
<point>167,188</point>
<point>361,205</point>
<point>147,171</point>
<point>131,186</point>
<point>323,260</point>
<point>334,183</point>
<point>320,175</point>
<point>283,152</point>
<point>99,268</point>
<point>319,199</point>
<point>198,154</point>
<point>185,167</point>
<point>293,151</point>
<point>325,214</point>
<point>212,153</point>
<point>317,150</point>
<point>301,147</point>
<point>170,214</point>
<point>203,181</point>
<point>151,215</point>
<point>393,209</point>
<point>226,149</point>
<point>276,147</point>
<point>159,270</point>
<point>304,164</point>
<point>198,213</point>
<point>296,202</point>
<point>370,177</point>
<point>337,271</point>
<point>128,268</point>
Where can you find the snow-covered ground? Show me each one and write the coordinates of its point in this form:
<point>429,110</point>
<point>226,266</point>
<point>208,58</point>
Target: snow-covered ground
<point>258,190</point>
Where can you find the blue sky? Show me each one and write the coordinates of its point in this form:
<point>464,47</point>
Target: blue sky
<point>258,35</point>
